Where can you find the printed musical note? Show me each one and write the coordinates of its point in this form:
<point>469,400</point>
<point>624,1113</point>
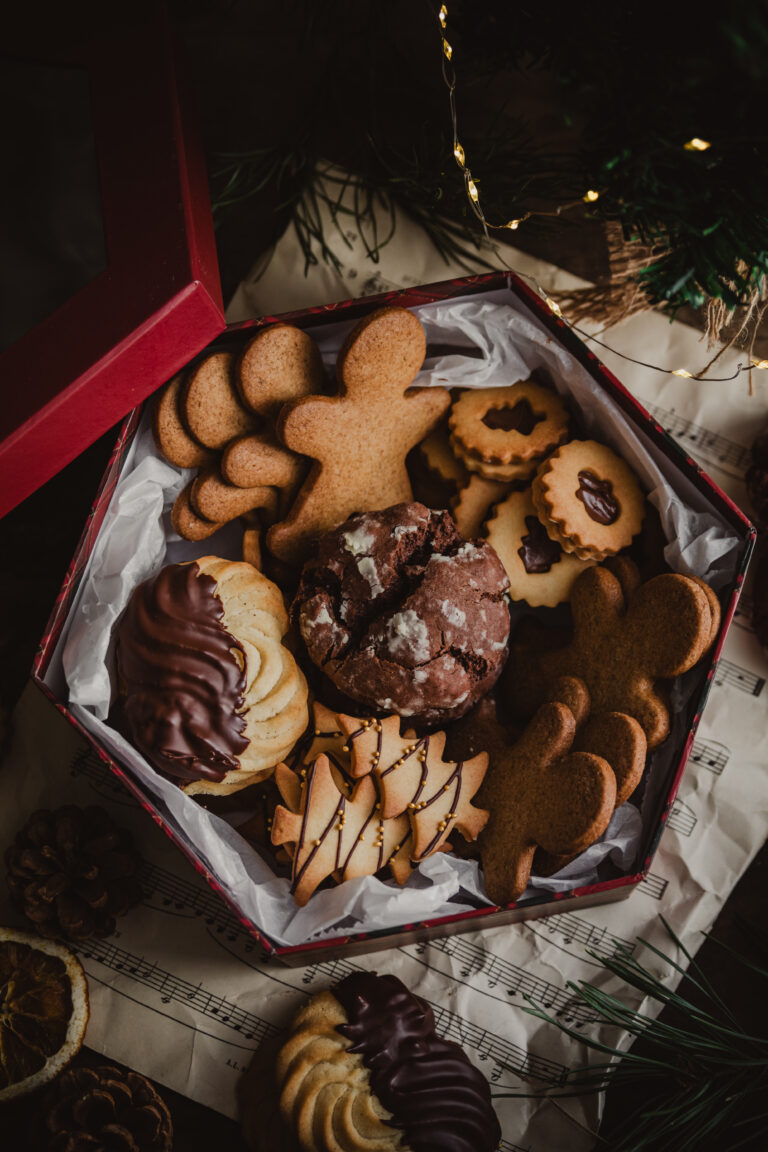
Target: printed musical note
<point>502,979</point>
<point>166,892</point>
<point>335,969</point>
<point>729,673</point>
<point>92,768</point>
<point>653,885</point>
<point>681,818</point>
<point>173,988</point>
<point>727,455</point>
<point>710,754</point>
<point>506,1055</point>
<point>572,929</point>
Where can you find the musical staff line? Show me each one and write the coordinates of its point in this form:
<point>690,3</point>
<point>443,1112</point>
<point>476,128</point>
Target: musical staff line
<point>710,754</point>
<point>727,455</point>
<point>653,886</point>
<point>92,768</point>
<point>729,673</point>
<point>174,989</point>
<point>573,929</point>
<point>681,818</point>
<point>510,979</point>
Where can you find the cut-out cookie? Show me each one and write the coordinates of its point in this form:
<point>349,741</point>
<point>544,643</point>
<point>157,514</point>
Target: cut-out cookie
<point>278,364</point>
<point>171,437</point>
<point>541,794</point>
<point>591,496</point>
<point>359,438</point>
<point>209,403</point>
<point>620,649</point>
<point>539,571</point>
<point>472,504</point>
<point>507,426</point>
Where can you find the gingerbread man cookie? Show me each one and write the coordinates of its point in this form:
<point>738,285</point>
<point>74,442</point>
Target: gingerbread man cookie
<point>621,647</point>
<point>359,438</point>
<point>588,499</point>
<point>539,571</point>
<point>542,794</point>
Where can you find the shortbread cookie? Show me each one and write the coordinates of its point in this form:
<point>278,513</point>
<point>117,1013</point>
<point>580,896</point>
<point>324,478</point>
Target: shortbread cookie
<point>207,691</point>
<point>620,648</point>
<point>186,522</point>
<point>591,496</point>
<point>512,425</point>
<point>539,571</point>
<point>541,794</point>
<point>278,364</point>
<point>359,438</point>
<point>334,830</point>
<point>473,502</point>
<point>209,403</point>
<point>413,778</point>
<point>501,473</point>
<point>435,451</point>
<point>258,459</point>
<point>363,1068</point>
<point>403,615</point>
<point>214,499</point>
<point>171,437</point>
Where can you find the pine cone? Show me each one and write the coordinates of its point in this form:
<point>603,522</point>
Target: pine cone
<point>757,479</point>
<point>72,871</point>
<point>105,1110</point>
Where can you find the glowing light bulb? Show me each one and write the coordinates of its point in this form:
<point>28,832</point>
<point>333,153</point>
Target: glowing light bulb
<point>683,372</point>
<point>443,15</point>
<point>697,145</point>
<point>447,50</point>
<point>590,197</point>
<point>458,152</point>
<point>513,224</point>
<point>759,363</point>
<point>472,189</point>
<point>553,304</point>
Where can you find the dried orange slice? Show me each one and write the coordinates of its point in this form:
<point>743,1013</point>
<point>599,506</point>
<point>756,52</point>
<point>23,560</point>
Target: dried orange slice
<point>43,1011</point>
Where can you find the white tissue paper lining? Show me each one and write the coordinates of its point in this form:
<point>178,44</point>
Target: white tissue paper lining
<point>136,540</point>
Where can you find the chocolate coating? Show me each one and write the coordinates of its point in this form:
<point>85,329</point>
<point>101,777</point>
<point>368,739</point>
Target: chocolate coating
<point>404,615</point>
<point>440,1100</point>
<point>538,552</point>
<point>518,418</point>
<point>180,682</point>
<point>597,497</point>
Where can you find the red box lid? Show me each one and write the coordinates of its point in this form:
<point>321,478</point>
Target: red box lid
<point>158,300</point>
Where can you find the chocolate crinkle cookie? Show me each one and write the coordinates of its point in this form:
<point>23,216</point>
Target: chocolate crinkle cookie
<point>404,615</point>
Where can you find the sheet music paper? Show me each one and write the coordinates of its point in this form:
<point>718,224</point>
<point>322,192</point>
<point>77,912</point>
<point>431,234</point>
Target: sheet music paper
<point>181,992</point>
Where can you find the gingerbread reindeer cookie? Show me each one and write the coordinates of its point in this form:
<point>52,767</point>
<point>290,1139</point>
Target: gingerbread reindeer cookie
<point>623,643</point>
<point>359,438</point>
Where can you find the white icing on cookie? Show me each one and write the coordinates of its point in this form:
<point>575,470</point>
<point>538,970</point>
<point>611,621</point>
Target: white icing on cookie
<point>358,542</point>
<point>407,633</point>
<point>369,572</point>
<point>453,614</point>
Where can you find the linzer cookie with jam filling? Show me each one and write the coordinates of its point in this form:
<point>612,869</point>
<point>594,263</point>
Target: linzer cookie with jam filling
<point>588,499</point>
<point>539,571</point>
<point>363,1067</point>
<point>207,690</point>
<point>502,433</point>
<point>404,615</point>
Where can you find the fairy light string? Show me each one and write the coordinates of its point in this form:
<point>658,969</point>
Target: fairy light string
<point>696,144</point>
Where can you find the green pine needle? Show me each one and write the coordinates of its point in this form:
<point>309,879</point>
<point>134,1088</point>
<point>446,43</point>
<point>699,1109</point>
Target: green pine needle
<point>704,1078</point>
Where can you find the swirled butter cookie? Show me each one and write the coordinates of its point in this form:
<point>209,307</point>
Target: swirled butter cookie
<point>363,1067</point>
<point>207,690</point>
